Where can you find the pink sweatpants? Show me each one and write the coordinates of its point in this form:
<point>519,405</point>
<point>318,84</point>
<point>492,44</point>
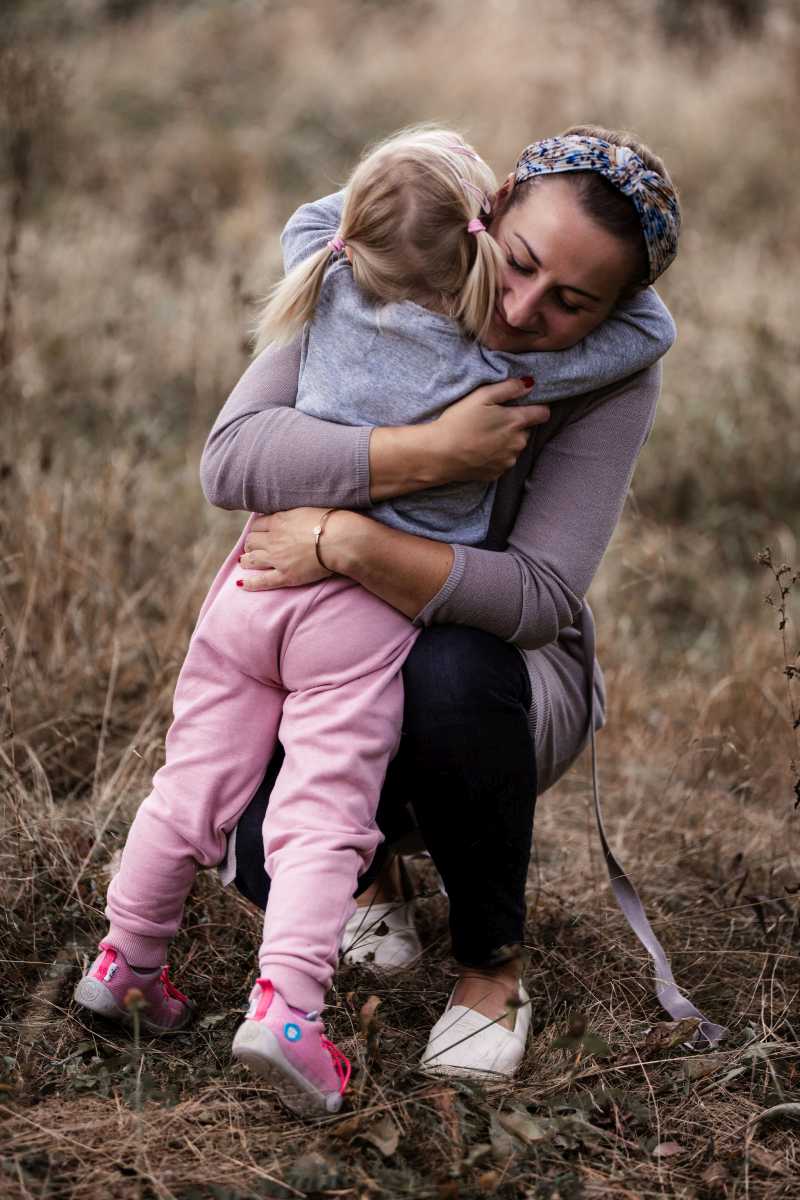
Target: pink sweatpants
<point>319,667</point>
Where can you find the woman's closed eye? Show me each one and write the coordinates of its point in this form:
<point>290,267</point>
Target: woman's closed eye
<point>518,267</point>
<point>570,308</point>
<point>531,270</point>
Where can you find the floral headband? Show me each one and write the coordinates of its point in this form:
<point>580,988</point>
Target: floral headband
<point>653,196</point>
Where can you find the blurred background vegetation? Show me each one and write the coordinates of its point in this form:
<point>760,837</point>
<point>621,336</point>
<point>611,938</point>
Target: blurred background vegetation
<point>150,153</point>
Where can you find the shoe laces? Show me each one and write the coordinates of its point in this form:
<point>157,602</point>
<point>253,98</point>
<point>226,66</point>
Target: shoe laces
<point>169,987</point>
<point>340,1061</point>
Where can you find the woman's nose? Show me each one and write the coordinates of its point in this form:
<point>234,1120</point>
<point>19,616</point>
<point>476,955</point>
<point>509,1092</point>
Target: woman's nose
<point>521,303</point>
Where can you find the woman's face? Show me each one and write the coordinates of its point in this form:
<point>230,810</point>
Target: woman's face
<point>563,273</point>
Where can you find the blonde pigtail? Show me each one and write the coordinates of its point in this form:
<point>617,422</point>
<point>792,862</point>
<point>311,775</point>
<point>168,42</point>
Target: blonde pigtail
<point>410,214</point>
<point>476,300</point>
<point>292,301</point>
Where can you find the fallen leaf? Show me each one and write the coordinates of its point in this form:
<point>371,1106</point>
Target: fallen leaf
<point>368,1014</point>
<point>566,1042</point>
<point>527,1128</point>
<point>594,1044</point>
<point>383,1135</point>
<point>211,1019</point>
<point>703,1065</point>
<point>504,1145</point>
<point>448,1189</point>
<point>446,1103</point>
<point>370,1024</point>
<point>666,1149</point>
<point>577,1023</point>
<point>477,1152</point>
<point>770,1161</point>
<point>762,1050</point>
<point>348,1127</point>
<point>312,1172</point>
<point>715,1180</point>
<point>666,1035</point>
<point>588,1042</point>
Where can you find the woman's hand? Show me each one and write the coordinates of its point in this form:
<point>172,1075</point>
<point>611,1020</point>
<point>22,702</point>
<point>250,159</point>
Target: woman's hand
<point>279,549</point>
<point>476,438</point>
<point>479,437</point>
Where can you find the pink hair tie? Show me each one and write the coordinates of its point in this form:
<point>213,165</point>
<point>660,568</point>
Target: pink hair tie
<point>461,148</point>
<point>336,245</point>
<point>476,191</point>
<point>476,226</point>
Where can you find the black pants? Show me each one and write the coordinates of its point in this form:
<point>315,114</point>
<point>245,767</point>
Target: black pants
<point>467,766</point>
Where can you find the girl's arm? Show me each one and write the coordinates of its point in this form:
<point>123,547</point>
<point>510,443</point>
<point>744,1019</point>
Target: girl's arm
<point>636,334</point>
<point>263,455</point>
<point>528,592</point>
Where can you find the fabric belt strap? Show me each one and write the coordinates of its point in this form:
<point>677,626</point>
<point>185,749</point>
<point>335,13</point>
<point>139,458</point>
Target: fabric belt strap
<point>666,989</point>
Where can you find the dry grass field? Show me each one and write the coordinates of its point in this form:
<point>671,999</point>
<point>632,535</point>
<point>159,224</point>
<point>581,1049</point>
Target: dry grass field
<point>150,154</point>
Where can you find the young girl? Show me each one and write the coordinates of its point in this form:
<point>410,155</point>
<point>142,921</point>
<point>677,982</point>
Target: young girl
<point>391,308</point>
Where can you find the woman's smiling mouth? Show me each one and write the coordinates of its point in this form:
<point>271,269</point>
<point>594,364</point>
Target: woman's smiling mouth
<point>514,330</point>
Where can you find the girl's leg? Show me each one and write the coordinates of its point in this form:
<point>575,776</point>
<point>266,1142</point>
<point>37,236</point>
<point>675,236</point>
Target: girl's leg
<point>226,721</point>
<point>466,761</point>
<point>341,725</point>
<point>251,878</point>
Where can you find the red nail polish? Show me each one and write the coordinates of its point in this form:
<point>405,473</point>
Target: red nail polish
<point>527,380</point>
<point>240,583</point>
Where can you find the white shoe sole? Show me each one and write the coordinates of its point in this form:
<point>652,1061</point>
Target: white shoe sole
<point>257,1047</point>
<point>94,995</point>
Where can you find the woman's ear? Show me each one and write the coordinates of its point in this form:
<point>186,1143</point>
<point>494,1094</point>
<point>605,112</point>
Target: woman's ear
<point>501,195</point>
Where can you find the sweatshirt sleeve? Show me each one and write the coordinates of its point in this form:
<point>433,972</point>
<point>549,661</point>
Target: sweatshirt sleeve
<point>632,338</point>
<point>263,455</point>
<point>571,503</point>
<point>310,227</point>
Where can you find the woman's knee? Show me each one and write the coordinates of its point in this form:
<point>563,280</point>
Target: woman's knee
<point>458,668</point>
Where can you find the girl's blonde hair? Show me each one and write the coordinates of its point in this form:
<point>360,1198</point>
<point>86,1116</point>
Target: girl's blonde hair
<point>406,209</point>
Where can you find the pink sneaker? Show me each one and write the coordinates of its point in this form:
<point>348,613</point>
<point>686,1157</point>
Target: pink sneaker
<point>109,979</point>
<point>289,1048</point>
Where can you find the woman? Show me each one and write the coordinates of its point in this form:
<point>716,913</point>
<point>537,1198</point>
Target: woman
<point>496,704</point>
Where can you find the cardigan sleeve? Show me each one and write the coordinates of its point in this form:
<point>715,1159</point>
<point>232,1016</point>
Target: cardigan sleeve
<point>571,503</point>
<point>263,454</point>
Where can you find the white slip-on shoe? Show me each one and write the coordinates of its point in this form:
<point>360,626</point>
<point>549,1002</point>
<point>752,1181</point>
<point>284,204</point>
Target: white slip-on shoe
<point>382,935</point>
<point>466,1043</point>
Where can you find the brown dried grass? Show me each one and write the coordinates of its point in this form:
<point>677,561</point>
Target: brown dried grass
<point>186,133</point>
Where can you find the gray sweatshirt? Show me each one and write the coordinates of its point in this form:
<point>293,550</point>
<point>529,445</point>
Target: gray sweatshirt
<point>553,515</point>
<point>401,364</point>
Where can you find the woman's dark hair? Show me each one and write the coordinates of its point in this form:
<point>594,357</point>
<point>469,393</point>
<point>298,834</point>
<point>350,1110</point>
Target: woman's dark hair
<point>604,203</point>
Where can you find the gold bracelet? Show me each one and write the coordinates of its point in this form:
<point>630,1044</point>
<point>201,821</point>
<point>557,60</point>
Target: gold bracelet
<point>318,531</point>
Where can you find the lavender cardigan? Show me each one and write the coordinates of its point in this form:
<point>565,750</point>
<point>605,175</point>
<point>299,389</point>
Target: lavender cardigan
<point>553,516</point>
